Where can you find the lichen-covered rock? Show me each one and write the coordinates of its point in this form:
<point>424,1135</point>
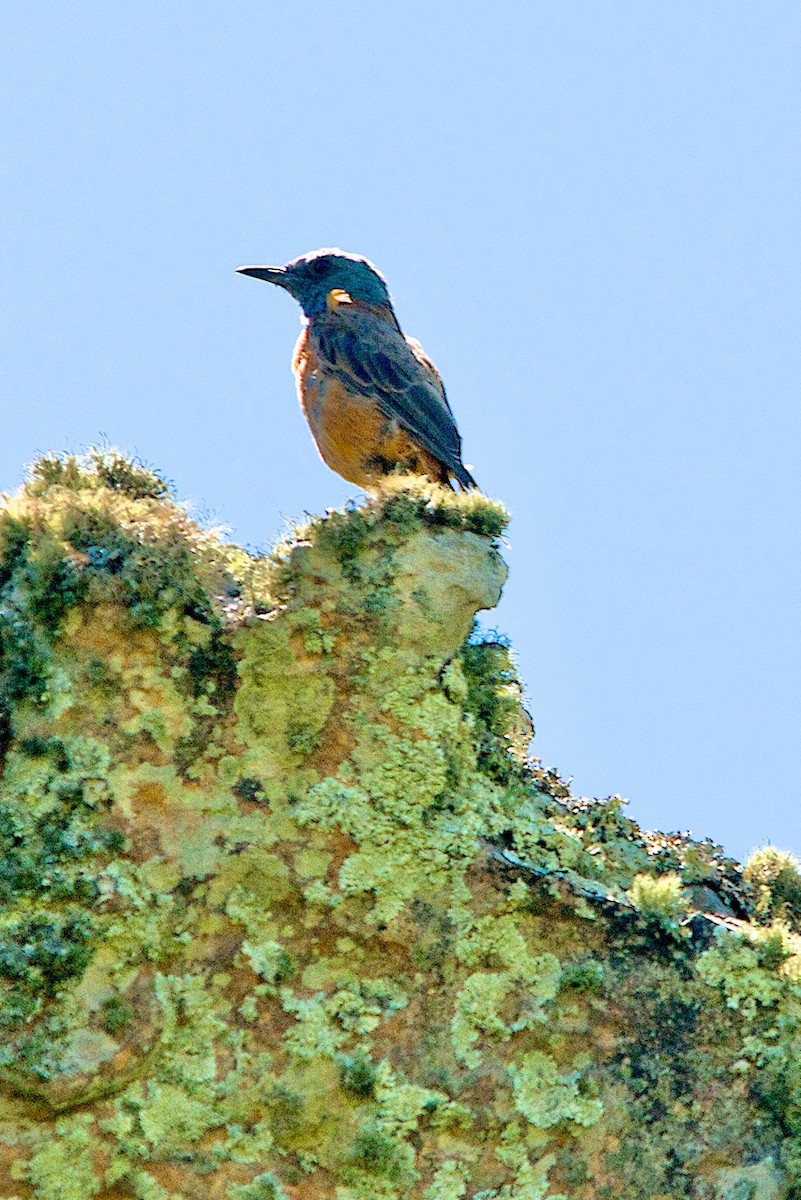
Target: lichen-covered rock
<point>287,912</point>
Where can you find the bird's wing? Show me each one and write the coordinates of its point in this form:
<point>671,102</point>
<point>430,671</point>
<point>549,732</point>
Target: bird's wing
<point>421,356</point>
<point>373,358</point>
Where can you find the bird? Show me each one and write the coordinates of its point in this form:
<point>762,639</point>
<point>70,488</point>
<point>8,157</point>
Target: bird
<point>373,399</point>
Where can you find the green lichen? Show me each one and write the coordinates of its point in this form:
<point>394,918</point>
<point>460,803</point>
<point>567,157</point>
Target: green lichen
<point>751,971</point>
<point>282,736</point>
<point>449,1182</point>
<point>170,1119</point>
<point>62,1166</point>
<point>287,910</point>
<point>776,877</point>
<point>521,991</point>
<point>263,1187</point>
<point>545,1098</point>
<point>659,899</point>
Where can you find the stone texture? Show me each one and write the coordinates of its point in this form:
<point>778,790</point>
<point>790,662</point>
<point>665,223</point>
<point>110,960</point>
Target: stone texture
<point>287,911</point>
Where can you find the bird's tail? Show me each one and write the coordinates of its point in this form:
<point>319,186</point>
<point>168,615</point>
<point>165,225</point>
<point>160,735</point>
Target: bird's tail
<point>463,476</point>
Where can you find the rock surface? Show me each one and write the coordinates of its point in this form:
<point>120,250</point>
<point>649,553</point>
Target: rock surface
<point>287,912</point>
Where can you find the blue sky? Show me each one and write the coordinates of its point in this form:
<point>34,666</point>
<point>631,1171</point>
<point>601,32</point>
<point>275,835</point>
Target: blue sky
<point>589,215</point>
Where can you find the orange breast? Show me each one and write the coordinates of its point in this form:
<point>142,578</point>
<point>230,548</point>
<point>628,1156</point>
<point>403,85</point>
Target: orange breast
<point>353,436</point>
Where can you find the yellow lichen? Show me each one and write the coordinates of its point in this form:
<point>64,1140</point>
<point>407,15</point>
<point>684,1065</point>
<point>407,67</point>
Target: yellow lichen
<point>287,912</point>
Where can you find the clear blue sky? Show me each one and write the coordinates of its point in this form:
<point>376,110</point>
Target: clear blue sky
<point>588,213</point>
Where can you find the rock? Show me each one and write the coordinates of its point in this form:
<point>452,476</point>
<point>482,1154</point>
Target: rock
<point>288,912</point>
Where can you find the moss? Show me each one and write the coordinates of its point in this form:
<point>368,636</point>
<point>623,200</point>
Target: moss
<point>776,877</point>
<point>123,565</point>
<point>42,952</point>
<point>357,1074</point>
<point>117,1015</point>
<point>263,1187</point>
<point>287,907</point>
<point>585,975</point>
<point>249,790</point>
<point>376,1153</point>
<point>99,468</point>
<point>403,504</point>
<point>53,803</point>
<point>407,499</point>
<point>493,696</point>
<point>659,899</point>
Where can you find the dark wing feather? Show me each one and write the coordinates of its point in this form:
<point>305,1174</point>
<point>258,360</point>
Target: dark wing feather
<point>373,358</point>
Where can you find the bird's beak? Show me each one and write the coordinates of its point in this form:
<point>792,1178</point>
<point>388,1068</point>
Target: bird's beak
<point>278,275</point>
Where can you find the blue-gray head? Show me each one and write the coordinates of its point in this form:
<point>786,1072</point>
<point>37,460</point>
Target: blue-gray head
<point>313,276</point>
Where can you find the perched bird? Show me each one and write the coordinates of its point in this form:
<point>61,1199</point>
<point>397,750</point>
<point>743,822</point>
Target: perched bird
<point>372,397</point>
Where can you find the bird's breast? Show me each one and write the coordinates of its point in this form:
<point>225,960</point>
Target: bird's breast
<point>352,434</point>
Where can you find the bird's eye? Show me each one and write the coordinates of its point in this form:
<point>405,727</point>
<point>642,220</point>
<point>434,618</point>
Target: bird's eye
<point>316,268</point>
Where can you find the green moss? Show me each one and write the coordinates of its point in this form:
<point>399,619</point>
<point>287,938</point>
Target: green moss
<point>54,843</point>
<point>38,589</point>
<point>41,952</point>
<point>405,500</point>
<point>374,1151</point>
<point>493,696</point>
<point>403,504</point>
<point>586,975</point>
<point>357,1074</point>
<point>99,468</point>
<point>377,1153</point>
<point>263,1187</point>
<point>659,899</point>
<point>212,669</point>
<point>117,1015</point>
<point>288,908</point>
<point>776,877</point>
<point>125,566</point>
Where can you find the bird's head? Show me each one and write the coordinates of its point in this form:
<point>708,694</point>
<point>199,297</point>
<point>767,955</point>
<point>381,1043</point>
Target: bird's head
<point>312,277</point>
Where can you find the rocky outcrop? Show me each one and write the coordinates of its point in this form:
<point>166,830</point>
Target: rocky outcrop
<point>287,911</point>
